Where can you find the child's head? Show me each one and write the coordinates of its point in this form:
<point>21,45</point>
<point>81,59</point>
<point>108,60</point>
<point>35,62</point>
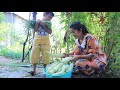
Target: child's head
<point>48,15</point>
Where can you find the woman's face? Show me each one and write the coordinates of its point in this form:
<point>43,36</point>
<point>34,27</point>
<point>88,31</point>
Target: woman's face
<point>75,33</point>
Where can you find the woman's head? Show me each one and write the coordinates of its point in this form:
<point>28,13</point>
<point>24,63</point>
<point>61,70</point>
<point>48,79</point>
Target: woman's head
<point>78,29</point>
<point>48,15</point>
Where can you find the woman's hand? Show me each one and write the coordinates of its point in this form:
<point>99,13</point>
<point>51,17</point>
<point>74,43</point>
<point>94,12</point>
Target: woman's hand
<point>71,60</point>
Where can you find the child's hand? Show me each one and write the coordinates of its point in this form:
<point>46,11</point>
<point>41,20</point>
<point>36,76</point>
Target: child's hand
<point>38,21</point>
<point>42,24</point>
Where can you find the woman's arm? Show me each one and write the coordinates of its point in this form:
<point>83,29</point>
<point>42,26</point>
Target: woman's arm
<point>67,54</point>
<point>87,57</point>
<point>71,54</point>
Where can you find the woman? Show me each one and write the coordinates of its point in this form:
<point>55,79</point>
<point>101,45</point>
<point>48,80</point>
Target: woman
<point>87,53</point>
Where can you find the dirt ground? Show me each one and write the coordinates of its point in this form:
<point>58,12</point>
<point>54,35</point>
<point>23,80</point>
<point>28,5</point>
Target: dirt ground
<point>16,69</point>
<point>10,68</point>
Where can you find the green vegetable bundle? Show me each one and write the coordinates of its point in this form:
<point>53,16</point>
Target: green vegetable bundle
<point>30,23</point>
<point>48,24</point>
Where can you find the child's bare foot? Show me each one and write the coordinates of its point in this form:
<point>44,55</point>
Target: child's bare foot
<point>32,73</point>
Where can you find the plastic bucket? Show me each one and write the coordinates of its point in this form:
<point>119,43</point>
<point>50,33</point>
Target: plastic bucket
<point>66,75</point>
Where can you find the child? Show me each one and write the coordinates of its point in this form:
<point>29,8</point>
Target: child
<point>41,41</point>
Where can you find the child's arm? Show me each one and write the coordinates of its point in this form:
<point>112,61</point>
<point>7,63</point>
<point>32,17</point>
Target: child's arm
<point>45,28</point>
<point>36,25</point>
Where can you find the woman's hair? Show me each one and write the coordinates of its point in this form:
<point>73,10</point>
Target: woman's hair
<point>51,13</point>
<point>78,26</point>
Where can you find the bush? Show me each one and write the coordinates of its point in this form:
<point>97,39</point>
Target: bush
<point>6,52</point>
<point>11,52</point>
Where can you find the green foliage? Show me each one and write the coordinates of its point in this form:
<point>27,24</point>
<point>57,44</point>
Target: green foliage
<point>30,24</point>
<point>107,32</point>
<point>1,17</point>
<point>48,24</point>
<point>13,52</point>
<point>113,38</point>
<point>5,29</point>
<point>12,41</point>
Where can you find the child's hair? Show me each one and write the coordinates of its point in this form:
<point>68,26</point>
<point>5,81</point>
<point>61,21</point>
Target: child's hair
<point>51,13</point>
<point>78,26</point>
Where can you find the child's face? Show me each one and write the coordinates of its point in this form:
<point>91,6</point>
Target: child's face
<point>48,17</point>
<point>75,33</point>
